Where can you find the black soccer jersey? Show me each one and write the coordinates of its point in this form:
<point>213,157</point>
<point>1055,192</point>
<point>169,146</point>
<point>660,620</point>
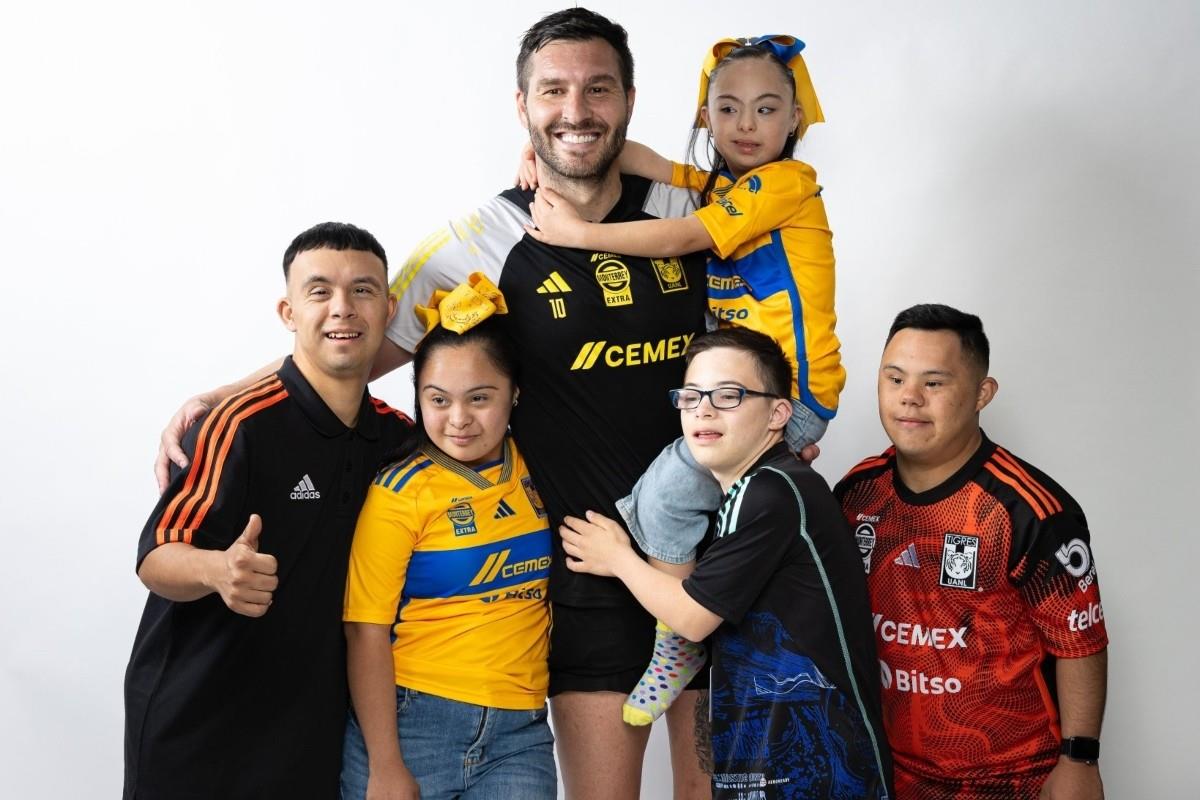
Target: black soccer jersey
<point>223,705</point>
<point>601,338</point>
<point>795,688</point>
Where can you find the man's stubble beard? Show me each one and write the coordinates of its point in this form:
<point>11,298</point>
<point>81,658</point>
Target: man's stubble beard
<point>596,171</point>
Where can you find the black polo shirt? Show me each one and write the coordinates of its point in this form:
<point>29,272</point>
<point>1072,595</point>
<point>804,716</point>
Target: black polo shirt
<point>220,705</point>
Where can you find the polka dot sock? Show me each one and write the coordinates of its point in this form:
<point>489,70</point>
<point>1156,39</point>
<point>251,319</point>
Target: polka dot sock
<point>675,662</point>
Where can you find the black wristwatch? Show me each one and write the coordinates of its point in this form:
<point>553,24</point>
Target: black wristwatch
<point>1082,748</point>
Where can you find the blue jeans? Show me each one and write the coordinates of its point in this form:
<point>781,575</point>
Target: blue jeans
<point>667,513</point>
<point>460,750</point>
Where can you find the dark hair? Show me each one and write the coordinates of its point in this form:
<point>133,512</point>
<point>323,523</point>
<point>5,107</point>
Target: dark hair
<point>772,365</point>
<point>333,236</point>
<point>937,317</point>
<point>715,161</point>
<point>494,342</point>
<point>574,25</point>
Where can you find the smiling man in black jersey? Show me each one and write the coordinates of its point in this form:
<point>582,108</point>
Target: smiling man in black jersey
<point>602,338</point>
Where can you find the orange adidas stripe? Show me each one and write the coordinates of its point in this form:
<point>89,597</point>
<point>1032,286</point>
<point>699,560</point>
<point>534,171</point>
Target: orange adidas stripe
<point>384,409</point>
<point>197,516</point>
<point>1006,458</point>
<point>1034,502</point>
<point>868,463</point>
<point>200,469</point>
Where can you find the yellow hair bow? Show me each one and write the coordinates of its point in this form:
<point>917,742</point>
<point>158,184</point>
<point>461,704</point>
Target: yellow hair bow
<point>787,50</point>
<point>464,306</point>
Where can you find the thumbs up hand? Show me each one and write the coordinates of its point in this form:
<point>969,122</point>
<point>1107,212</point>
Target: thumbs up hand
<point>246,578</point>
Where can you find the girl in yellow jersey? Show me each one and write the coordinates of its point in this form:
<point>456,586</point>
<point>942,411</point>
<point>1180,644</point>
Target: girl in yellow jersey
<point>446,616</point>
<point>761,214</point>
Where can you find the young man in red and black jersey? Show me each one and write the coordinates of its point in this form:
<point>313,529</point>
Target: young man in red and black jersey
<point>987,613</point>
<point>236,687</point>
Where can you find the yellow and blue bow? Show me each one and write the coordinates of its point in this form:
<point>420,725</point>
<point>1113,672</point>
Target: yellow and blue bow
<point>464,306</point>
<point>787,50</point>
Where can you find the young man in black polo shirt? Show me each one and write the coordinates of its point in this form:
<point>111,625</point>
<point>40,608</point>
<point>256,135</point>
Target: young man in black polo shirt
<point>236,687</point>
<point>795,689</point>
<point>601,337</point>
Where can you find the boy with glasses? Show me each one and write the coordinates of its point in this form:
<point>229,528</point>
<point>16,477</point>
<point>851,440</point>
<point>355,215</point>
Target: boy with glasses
<point>794,687</point>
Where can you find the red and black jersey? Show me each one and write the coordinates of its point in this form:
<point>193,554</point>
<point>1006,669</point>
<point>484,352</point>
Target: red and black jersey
<point>223,705</point>
<point>977,585</point>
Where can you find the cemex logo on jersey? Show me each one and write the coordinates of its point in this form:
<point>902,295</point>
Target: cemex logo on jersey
<point>1089,617</point>
<point>915,682</point>
<point>914,634</point>
<point>304,490</point>
<point>1076,559</point>
<point>632,354</point>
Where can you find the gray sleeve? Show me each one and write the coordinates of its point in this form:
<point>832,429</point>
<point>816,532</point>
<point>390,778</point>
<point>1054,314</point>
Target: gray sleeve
<point>666,201</point>
<point>477,242</point>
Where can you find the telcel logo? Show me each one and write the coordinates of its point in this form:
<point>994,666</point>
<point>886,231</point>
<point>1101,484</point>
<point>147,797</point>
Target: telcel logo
<point>916,682</point>
<point>1082,620</point>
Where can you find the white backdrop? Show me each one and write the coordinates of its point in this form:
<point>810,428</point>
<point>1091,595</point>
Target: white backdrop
<point>1032,162</point>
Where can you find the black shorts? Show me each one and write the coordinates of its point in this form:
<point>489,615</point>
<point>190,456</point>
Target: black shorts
<point>602,649</point>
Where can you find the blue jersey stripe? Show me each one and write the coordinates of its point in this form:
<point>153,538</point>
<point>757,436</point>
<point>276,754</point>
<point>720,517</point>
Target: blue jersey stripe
<point>408,475</point>
<point>474,570</point>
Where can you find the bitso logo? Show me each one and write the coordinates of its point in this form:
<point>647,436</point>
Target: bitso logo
<point>864,536</point>
<point>304,490</point>
<point>959,561</point>
<point>613,277</point>
<point>916,682</point>
<point>669,272</point>
<point>462,517</point>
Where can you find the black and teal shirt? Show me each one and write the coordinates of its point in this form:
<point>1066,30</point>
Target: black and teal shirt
<point>795,682</point>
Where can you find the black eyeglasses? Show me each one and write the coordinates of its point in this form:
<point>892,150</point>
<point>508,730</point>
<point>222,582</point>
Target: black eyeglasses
<point>723,397</point>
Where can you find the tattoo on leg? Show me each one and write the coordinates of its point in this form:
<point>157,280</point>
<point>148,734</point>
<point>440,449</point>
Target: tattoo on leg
<point>704,734</point>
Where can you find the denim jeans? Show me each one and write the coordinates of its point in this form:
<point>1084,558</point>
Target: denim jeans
<point>460,750</point>
<point>667,513</point>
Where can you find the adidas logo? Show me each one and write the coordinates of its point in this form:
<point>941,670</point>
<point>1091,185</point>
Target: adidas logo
<point>553,285</point>
<point>304,490</point>
<point>908,558</point>
<point>503,510</point>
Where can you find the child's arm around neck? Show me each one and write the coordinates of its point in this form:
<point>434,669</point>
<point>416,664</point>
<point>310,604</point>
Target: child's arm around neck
<point>559,224</point>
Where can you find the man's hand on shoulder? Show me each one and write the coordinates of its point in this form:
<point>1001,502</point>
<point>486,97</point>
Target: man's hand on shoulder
<point>170,442</point>
<point>1073,780</point>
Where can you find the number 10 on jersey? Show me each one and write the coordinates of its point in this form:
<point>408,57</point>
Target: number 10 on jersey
<point>558,307</point>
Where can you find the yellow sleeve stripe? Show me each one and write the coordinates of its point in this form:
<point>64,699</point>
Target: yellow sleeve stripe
<point>424,251</point>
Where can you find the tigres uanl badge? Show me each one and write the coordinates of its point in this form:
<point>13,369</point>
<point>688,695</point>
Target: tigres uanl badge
<point>960,555</point>
<point>669,272</point>
<point>613,277</point>
<point>462,517</point>
<point>535,499</point>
